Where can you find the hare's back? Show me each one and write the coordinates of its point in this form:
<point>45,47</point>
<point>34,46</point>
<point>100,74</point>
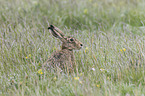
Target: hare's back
<point>60,56</point>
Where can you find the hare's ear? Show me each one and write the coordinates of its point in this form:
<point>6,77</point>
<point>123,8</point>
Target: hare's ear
<point>57,32</point>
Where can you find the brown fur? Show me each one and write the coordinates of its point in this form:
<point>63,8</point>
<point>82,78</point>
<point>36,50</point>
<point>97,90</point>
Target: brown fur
<point>64,58</point>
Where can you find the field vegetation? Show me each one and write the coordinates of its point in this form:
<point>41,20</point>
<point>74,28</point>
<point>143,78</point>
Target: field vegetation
<point>111,62</point>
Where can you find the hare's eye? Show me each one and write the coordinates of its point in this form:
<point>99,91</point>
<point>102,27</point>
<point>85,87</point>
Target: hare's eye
<point>71,39</point>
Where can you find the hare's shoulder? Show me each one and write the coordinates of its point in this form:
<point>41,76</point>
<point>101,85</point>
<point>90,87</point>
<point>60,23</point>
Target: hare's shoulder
<point>62,54</point>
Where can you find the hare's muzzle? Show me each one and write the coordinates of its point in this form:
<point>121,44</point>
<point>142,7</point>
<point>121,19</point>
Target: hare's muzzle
<point>79,46</point>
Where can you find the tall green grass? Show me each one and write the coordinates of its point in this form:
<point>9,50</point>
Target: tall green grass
<point>112,61</point>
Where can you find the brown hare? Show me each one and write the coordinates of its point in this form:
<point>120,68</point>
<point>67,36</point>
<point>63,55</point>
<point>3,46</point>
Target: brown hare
<point>63,59</point>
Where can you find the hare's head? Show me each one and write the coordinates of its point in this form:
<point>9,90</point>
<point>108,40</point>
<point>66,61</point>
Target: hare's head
<point>69,42</point>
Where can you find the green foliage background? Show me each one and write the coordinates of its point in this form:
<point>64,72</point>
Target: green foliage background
<point>111,63</point>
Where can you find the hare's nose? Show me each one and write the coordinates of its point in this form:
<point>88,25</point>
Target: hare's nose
<point>81,44</point>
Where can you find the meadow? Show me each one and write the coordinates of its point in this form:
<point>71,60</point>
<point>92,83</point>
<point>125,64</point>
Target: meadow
<point>111,62</point>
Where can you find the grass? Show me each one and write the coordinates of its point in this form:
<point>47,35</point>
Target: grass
<point>111,63</point>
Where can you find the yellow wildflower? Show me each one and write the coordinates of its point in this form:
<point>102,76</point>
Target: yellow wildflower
<point>54,48</point>
<point>108,78</point>
<point>85,11</point>
<point>101,69</point>
<point>80,82</point>
<point>86,49</point>
<point>76,78</point>
<point>98,86</point>
<point>26,57</point>
<point>54,78</point>
<point>29,55</point>
<point>124,49</point>
<point>40,71</point>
